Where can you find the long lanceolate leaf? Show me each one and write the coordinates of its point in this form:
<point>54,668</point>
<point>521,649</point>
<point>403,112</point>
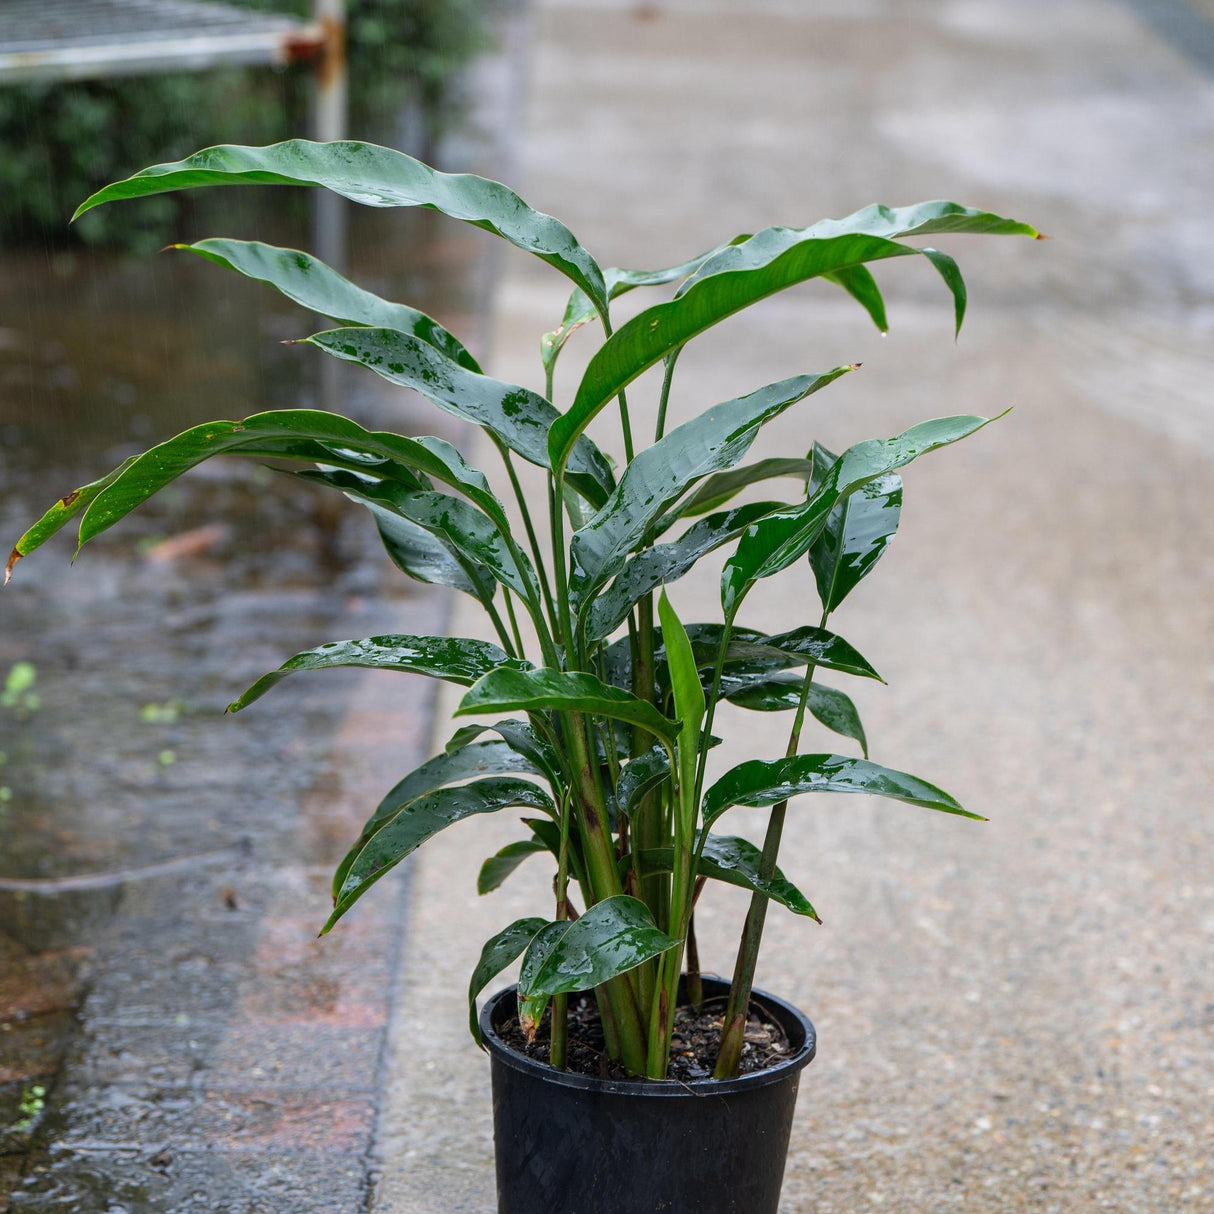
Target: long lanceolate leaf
<point>313,285</point>
<point>456,659</point>
<point>376,177</point>
<point>611,938</point>
<point>297,434</point>
<point>60,514</point>
<point>462,527</point>
<point>483,759</point>
<point>766,782</point>
<point>857,531</point>
<point>421,819</point>
<point>733,861</point>
<point>665,563</point>
<point>715,440</point>
<point>514,688</point>
<point>831,707</point>
<point>776,541</point>
<point>498,952</point>
<point>742,275</point>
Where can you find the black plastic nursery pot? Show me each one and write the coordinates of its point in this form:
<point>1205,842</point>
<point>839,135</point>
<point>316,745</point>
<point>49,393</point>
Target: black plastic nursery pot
<point>570,1144</point>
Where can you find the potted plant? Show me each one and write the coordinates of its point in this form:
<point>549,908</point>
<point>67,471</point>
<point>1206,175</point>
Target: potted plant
<point>608,698</point>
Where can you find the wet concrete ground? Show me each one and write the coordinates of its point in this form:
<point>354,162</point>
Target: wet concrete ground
<point>173,1036</point>
<point>1017,1015</point>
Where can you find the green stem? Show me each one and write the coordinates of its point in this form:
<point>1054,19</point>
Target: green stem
<point>625,423</point>
<point>671,359</point>
<point>518,636</point>
<point>733,1030</point>
<point>559,1034</point>
<point>532,539</point>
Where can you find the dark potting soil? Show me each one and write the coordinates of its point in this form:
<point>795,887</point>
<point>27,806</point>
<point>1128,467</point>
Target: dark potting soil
<point>694,1042</point>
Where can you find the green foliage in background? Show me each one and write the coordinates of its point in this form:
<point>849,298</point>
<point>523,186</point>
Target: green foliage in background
<point>61,141</point>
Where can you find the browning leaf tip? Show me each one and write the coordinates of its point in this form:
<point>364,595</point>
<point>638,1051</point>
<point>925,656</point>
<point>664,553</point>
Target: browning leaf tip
<point>13,558</point>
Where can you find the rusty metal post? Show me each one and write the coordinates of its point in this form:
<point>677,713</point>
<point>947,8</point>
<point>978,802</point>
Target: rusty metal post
<point>328,124</point>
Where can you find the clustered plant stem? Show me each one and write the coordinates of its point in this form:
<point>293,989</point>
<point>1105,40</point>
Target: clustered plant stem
<point>605,742</point>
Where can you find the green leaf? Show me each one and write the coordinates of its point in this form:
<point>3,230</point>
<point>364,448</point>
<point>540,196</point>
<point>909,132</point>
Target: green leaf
<point>776,541</point>
<point>689,703</point>
<point>531,1007</point>
<point>498,952</point>
<point>889,223</point>
<point>60,514</point>
<point>611,938</point>
<point>456,659</point>
<point>421,819</point>
<point>502,863</point>
<point>752,653</point>
<point>485,759</point>
<point>523,738</point>
<point>859,283</point>
<point>765,782</point>
<point>718,489</point>
<point>426,557</point>
<point>735,862</point>
<point>718,438</point>
<point>462,528</point>
<point>641,776</point>
<point>832,708</point>
<point>579,310</point>
<point>666,563</point>
<point>856,534</point>
<point>742,275</point>
<point>509,689</point>
<point>287,434</point>
<point>313,285</point>
<point>519,417</point>
<point>376,177</point>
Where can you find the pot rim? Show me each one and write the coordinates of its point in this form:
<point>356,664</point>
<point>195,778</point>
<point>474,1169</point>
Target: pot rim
<point>784,1012</point>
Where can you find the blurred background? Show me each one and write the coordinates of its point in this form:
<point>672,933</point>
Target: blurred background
<point>1018,1016</point>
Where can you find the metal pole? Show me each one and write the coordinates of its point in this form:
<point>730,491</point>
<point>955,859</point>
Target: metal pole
<point>328,124</point>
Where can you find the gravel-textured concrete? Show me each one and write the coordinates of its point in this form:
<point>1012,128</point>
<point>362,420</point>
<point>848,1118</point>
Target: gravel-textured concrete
<point>1012,1016</point>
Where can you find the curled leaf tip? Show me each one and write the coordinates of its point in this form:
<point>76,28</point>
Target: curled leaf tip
<point>857,366</point>
<point>13,558</point>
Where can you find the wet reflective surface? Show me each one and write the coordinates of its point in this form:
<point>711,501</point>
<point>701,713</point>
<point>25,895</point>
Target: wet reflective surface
<point>172,1035</point>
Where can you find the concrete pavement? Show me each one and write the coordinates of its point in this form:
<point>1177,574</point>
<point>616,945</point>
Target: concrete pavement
<point>1012,1016</point>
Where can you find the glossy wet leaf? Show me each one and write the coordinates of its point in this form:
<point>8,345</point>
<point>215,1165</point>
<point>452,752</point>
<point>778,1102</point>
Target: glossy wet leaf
<point>423,818</point>
<point>856,534</point>
<point>461,527</point>
<point>483,759</point>
<point>666,563</point>
<point>516,415</point>
<point>456,659</point>
<point>499,951</point>
<point>689,704</point>
<point>425,557</point>
<point>520,735</point>
<point>718,489</point>
<point>860,284</point>
<point>377,177</point>
<point>313,285</point>
<point>579,310</point>
<point>734,861</point>
<point>503,862</point>
<point>611,938</point>
<point>718,438</point>
<point>509,689</point>
<point>830,707</point>
<point>639,777</point>
<point>531,1005</point>
<point>60,514</point>
<point>755,653</point>
<point>776,541</point>
<point>742,275</point>
<point>307,434</point>
<point>760,782</point>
